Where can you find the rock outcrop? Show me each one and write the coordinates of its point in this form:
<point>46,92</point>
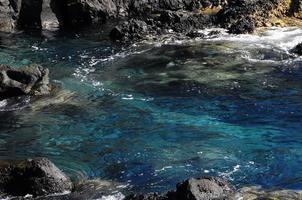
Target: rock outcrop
<point>204,188</point>
<point>238,16</point>
<point>36,177</point>
<point>243,16</point>
<point>30,80</point>
<point>8,15</point>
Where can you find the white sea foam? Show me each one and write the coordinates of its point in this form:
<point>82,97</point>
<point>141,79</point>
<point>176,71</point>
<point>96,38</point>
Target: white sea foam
<point>230,173</point>
<point>282,38</point>
<point>3,103</point>
<point>117,196</point>
<point>164,168</point>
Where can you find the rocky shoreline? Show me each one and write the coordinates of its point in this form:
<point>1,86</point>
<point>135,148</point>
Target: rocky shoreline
<point>39,178</point>
<point>138,18</point>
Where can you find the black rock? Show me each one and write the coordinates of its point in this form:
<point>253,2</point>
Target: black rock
<point>32,176</point>
<point>130,30</point>
<point>30,14</point>
<point>297,50</point>
<point>205,188</point>
<point>243,26</point>
<point>30,80</point>
<point>195,34</point>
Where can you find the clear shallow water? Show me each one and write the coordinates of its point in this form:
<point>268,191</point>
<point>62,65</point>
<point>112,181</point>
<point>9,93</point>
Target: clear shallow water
<point>156,113</point>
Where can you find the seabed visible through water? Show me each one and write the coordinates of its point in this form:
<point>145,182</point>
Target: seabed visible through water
<point>155,113</point>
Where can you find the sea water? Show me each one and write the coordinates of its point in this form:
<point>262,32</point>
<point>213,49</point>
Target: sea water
<point>154,113</point>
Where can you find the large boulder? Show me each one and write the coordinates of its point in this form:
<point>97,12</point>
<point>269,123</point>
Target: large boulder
<point>36,177</point>
<point>30,80</point>
<point>205,188</point>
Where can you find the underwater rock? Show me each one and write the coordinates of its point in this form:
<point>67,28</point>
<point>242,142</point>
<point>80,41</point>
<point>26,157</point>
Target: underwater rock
<point>32,176</point>
<point>30,80</point>
<point>297,49</point>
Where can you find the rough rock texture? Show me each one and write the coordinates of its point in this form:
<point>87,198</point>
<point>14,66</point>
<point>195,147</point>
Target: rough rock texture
<point>166,21</point>
<point>204,188</point>
<point>297,50</point>
<point>31,80</point>
<point>130,30</point>
<point>258,193</point>
<point>242,16</point>
<point>239,16</point>
<point>8,15</point>
<point>33,176</point>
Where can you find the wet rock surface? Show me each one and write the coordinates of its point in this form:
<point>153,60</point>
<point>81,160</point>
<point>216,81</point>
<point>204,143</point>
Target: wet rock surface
<point>204,188</point>
<point>238,16</point>
<point>32,176</point>
<point>257,193</point>
<point>30,80</point>
<point>297,50</point>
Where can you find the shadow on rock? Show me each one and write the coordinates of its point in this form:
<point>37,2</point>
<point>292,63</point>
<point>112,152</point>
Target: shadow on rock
<point>32,176</point>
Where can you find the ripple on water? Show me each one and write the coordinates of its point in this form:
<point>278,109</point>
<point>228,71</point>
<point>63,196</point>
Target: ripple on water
<point>153,114</point>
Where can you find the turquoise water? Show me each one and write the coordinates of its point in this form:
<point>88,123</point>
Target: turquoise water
<point>155,113</point>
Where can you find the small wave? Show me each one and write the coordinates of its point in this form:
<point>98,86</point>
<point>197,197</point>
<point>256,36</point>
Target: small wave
<point>230,173</point>
<point>282,38</point>
<point>14,104</point>
<point>117,196</point>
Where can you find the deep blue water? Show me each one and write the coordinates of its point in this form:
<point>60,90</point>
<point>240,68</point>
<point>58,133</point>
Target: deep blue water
<point>153,114</point>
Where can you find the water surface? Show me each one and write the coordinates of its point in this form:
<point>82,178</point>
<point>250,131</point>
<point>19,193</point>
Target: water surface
<point>155,113</point>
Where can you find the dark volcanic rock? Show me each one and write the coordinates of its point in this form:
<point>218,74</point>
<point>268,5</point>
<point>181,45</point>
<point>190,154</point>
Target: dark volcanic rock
<point>205,188</point>
<point>184,21</point>
<point>195,34</point>
<point>33,176</point>
<point>152,196</point>
<point>243,16</point>
<point>297,49</point>
<point>30,14</point>
<point>130,30</point>
<point>243,26</point>
<point>32,80</point>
